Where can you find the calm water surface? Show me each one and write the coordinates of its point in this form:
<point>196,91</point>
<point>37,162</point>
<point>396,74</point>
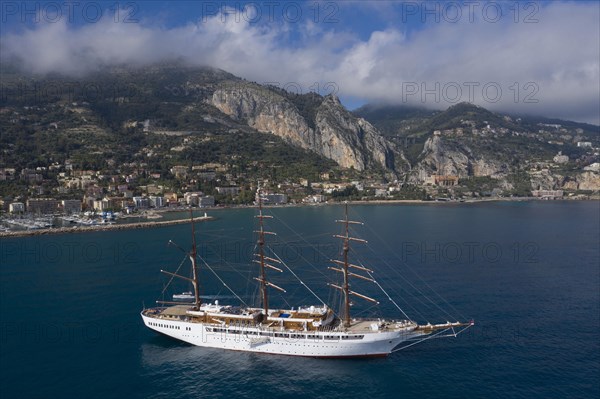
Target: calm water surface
<point>528,273</point>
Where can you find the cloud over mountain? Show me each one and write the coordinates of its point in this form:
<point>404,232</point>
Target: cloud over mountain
<point>550,67</point>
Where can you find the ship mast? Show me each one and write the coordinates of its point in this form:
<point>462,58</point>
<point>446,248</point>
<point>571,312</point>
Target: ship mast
<point>264,283</point>
<point>346,282</point>
<point>345,288</point>
<point>193,253</point>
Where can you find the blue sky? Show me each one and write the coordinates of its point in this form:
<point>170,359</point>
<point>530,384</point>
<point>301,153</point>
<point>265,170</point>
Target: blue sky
<point>170,14</point>
<point>510,56</point>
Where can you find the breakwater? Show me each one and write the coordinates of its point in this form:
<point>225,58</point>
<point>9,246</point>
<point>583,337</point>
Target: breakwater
<point>110,227</point>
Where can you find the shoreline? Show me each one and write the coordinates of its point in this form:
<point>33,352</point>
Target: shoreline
<point>392,202</point>
<point>162,223</point>
<point>89,229</point>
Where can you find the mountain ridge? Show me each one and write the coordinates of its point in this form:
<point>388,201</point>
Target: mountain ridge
<point>192,105</point>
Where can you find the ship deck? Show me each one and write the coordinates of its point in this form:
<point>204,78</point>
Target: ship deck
<point>361,326</point>
<point>177,310</point>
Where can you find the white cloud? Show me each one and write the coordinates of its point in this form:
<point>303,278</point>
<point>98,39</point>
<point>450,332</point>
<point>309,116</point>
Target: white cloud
<point>555,61</point>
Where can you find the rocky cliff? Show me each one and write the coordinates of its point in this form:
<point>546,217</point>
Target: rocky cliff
<point>584,181</point>
<point>441,156</point>
<point>332,131</point>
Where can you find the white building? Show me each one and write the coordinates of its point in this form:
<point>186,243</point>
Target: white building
<point>156,202</point>
<point>16,207</point>
<point>192,198</point>
<point>207,200</point>
<point>141,202</point>
<point>273,199</point>
<point>315,199</point>
<point>101,205</point>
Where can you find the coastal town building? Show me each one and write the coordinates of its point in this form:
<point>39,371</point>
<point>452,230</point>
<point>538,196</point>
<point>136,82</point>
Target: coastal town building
<point>206,201</point>
<point>549,194</point>
<point>42,206</point>
<point>442,180</point>
<point>7,174</point>
<point>228,190</point>
<point>141,202</point>
<point>315,199</point>
<point>207,175</point>
<point>113,203</point>
<point>192,198</point>
<point>156,201</point>
<point>94,191</point>
<point>153,189</point>
<point>16,207</point>
<point>30,176</point>
<point>171,199</point>
<point>273,199</point>
<point>70,206</point>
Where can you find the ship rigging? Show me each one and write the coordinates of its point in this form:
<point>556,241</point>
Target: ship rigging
<point>315,331</point>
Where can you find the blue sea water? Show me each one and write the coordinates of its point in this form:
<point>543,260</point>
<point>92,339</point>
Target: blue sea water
<point>526,272</point>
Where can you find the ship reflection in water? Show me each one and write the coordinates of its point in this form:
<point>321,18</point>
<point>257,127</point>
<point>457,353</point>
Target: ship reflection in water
<point>237,373</point>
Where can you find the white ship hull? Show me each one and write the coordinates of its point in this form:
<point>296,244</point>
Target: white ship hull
<point>275,341</point>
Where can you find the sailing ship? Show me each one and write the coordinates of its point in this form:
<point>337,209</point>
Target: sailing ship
<point>311,331</point>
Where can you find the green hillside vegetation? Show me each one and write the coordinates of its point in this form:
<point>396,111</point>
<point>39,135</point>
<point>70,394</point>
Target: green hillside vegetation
<point>395,120</point>
<point>105,122</point>
<point>410,127</point>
